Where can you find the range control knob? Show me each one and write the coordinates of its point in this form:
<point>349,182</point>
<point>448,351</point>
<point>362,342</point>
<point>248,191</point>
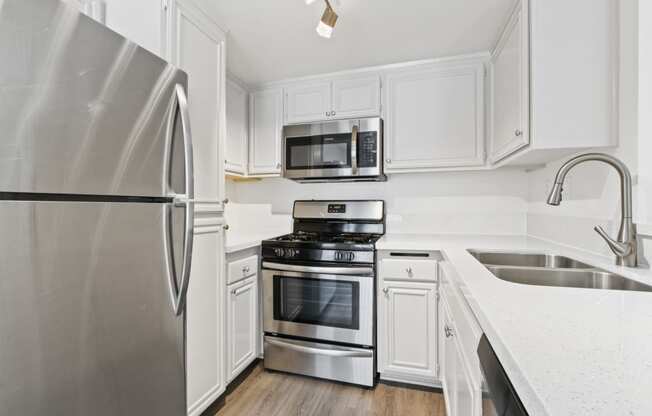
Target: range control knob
<point>290,252</point>
<point>350,256</point>
<point>279,252</point>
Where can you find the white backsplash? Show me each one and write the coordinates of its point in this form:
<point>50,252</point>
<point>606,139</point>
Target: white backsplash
<point>491,202</point>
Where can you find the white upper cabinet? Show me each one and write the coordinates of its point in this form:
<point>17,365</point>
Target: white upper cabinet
<point>510,89</point>
<point>308,102</point>
<point>356,97</point>
<point>196,45</point>
<point>332,99</point>
<point>237,128</point>
<point>265,131</point>
<point>554,77</point>
<point>434,117</point>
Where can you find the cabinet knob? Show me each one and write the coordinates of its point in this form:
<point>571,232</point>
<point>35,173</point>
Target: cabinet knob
<point>225,227</point>
<point>518,133</point>
<point>328,113</point>
<point>245,269</point>
<point>278,166</point>
<point>409,271</point>
<point>385,290</point>
<point>333,113</point>
<point>225,201</point>
<point>388,160</point>
<point>234,291</point>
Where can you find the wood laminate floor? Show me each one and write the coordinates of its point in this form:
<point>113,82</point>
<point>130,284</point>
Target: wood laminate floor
<point>276,394</point>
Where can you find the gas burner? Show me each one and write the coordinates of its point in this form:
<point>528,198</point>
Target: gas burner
<point>299,236</point>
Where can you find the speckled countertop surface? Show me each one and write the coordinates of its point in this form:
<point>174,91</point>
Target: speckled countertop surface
<point>568,351</point>
<point>244,240</point>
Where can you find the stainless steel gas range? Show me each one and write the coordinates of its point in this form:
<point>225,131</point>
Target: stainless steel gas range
<point>319,291</point>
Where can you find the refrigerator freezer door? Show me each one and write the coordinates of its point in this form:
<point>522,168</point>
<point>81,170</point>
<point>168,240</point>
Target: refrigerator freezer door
<point>83,110</point>
<point>87,323</point>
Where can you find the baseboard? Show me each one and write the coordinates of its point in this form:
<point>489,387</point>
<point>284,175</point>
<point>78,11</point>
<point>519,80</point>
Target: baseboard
<point>436,388</point>
<point>409,381</point>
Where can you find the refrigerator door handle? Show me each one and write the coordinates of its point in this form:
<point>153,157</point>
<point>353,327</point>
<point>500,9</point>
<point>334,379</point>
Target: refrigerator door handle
<point>180,101</point>
<point>179,293</point>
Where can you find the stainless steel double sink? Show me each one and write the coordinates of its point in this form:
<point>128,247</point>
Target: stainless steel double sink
<point>553,270</point>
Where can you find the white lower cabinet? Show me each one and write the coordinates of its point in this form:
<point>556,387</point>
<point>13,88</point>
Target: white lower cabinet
<point>204,314</point>
<point>460,371</point>
<point>409,316</point>
<point>407,322</point>
<point>460,394</point>
<point>242,326</point>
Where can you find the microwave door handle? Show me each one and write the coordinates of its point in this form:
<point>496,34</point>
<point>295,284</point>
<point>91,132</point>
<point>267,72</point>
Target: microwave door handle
<point>354,150</point>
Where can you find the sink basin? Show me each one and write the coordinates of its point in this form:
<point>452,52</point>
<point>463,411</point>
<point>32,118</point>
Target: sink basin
<point>589,279</point>
<point>528,260</point>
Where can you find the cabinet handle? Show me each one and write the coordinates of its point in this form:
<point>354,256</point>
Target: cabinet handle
<point>448,331</point>
<point>328,114</point>
<point>518,133</point>
<point>234,291</point>
<point>278,166</point>
<point>245,269</point>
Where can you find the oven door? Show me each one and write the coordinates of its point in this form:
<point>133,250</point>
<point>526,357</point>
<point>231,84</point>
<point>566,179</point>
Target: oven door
<point>345,148</point>
<point>322,306</point>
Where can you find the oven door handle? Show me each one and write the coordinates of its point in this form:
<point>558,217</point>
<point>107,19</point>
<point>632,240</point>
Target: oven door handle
<point>323,270</point>
<point>334,352</point>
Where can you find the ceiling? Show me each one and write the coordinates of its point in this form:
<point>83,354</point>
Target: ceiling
<point>271,40</point>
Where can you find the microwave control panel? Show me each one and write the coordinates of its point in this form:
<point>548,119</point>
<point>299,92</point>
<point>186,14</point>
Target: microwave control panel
<point>367,149</point>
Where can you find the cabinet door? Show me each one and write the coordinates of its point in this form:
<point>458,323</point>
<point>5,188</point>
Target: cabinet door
<point>307,102</point>
<point>357,97</point>
<point>510,110</point>
<point>237,128</point>
<point>197,47</point>
<point>449,362</point>
<point>265,130</point>
<point>242,316</point>
<point>434,117</point>
<point>204,328</point>
<point>407,331</point>
<point>465,399</point>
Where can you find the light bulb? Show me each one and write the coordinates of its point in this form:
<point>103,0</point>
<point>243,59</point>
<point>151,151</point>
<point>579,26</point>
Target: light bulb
<point>324,30</point>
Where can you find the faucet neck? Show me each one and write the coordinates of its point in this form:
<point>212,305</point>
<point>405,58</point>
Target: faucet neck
<point>621,168</point>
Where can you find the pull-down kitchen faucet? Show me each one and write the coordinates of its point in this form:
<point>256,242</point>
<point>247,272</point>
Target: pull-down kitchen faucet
<point>625,247</point>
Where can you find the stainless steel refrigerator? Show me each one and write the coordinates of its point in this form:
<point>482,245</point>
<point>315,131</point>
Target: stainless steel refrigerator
<point>96,219</point>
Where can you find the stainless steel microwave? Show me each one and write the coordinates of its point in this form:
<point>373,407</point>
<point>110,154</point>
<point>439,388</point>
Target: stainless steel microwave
<point>344,150</point>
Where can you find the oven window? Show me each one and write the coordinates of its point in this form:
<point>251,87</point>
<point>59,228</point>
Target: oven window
<point>318,152</point>
<point>317,302</point>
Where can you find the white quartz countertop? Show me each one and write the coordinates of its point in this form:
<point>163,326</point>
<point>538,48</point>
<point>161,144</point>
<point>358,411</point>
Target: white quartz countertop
<point>237,241</point>
<point>568,351</point>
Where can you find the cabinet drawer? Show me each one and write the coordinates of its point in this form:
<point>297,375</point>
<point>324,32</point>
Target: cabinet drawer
<point>242,269</point>
<point>466,327</point>
<point>408,269</point>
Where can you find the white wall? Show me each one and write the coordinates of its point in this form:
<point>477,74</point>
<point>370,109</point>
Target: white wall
<point>592,193</point>
<point>492,202</point>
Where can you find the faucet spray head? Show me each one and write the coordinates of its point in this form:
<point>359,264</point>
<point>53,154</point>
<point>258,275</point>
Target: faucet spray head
<point>555,194</point>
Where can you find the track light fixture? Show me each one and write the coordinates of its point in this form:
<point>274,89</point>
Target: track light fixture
<point>327,22</point>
